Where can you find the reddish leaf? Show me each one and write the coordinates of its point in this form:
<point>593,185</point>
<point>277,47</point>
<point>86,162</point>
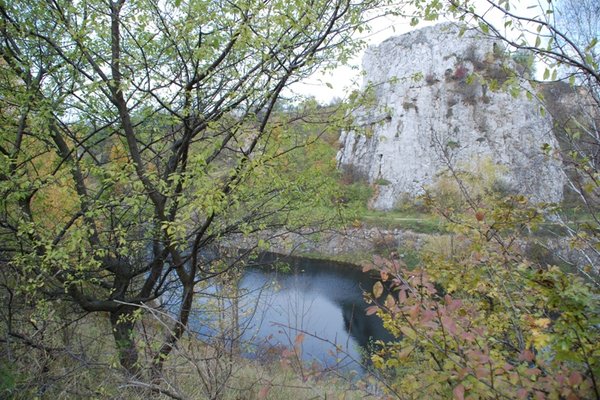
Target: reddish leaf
<point>299,339</point>
<point>522,393</point>
<point>414,311</point>
<point>481,372</point>
<point>540,395</point>
<point>454,305</point>
<point>264,391</point>
<point>467,337</point>
<point>447,299</point>
<point>480,216</point>
<point>427,316</point>
<point>508,367</point>
<point>459,392</point>
<point>533,371</point>
<point>372,310</point>
<point>377,260</point>
<point>484,358</point>
<point>526,355</point>
<point>575,378</point>
<point>384,275</point>
<point>402,296</point>
<point>449,325</point>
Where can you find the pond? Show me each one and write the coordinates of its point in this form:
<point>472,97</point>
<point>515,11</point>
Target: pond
<point>313,307</point>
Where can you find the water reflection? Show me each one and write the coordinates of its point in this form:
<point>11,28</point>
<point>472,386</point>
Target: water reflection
<point>322,300</point>
<point>263,310</point>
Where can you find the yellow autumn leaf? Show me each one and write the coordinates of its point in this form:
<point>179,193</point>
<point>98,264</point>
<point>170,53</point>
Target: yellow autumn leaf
<point>408,332</point>
<point>389,301</point>
<point>378,361</point>
<point>542,322</point>
<point>540,339</point>
<point>377,289</point>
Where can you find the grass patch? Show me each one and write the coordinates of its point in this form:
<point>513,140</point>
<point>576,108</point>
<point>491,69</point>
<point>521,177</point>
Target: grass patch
<point>195,370</point>
<point>403,220</point>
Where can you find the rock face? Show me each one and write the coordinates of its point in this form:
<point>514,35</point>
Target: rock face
<point>432,107</point>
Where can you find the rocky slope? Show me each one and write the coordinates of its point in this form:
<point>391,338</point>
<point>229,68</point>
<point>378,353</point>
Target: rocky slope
<point>436,104</point>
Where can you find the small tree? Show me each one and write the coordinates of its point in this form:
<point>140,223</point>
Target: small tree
<point>134,134</point>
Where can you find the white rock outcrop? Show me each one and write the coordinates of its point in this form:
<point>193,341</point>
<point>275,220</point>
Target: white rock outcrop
<point>430,109</point>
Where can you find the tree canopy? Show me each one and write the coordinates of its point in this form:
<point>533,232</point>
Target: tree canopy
<point>136,133</point>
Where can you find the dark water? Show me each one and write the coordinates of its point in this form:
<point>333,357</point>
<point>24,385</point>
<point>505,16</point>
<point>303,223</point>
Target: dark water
<point>319,300</point>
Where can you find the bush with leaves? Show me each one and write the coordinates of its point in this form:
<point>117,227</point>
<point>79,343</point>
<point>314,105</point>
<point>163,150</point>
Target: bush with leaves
<point>486,321</point>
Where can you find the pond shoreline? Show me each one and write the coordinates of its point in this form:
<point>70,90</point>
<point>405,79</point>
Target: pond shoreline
<point>352,247</point>
<point>355,246</point>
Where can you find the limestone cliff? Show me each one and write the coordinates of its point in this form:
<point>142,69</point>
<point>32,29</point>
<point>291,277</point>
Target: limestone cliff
<point>432,107</point>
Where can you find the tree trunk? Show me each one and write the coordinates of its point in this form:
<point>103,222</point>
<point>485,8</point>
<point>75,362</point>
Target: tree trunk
<point>174,336</point>
<point>122,326</point>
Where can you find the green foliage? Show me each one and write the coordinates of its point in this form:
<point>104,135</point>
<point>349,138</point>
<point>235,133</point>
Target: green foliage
<point>356,195</point>
<point>7,381</point>
<point>136,136</point>
<point>526,60</point>
<point>466,185</point>
<point>382,182</point>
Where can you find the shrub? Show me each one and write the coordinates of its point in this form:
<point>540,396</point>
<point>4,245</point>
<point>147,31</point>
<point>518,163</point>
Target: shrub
<point>352,174</point>
<point>488,321</point>
<point>356,194</point>
<point>384,243</point>
<point>465,185</point>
